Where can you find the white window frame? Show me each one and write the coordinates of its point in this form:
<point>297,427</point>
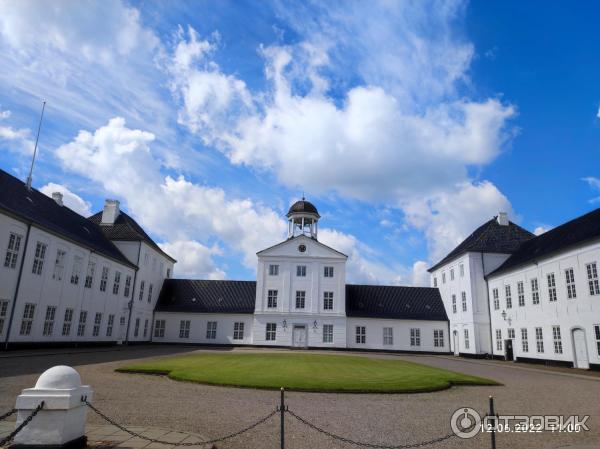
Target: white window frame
<point>451,274</point>
<point>524,340</point>
<point>521,293</point>
<point>141,295</point>
<point>159,328</point>
<point>59,265</point>
<point>557,339</point>
<point>551,287</point>
<point>27,320</point>
<point>81,323</point>
<point>454,309</point>
<point>499,339</point>
<point>272,299</point>
<point>13,249</point>
<point>328,271</point>
<point>508,296</point>
<point>273,270</point>
<point>3,312</point>
<point>464,301</point>
<point>301,271</point>
<point>438,338</point>
<point>38,258</point>
<point>89,277</point>
<point>238,330</point>
<point>67,322</point>
<point>415,336</point>
<point>211,330</point>
<point>104,279</point>
<point>97,324</point>
<point>510,333</point>
<point>300,299</point>
<point>327,333</point>
<point>127,288</point>
<point>496,298</point>
<point>462,270</point>
<point>466,338</point>
<point>570,283</point>
<point>539,340</point>
<point>535,291</point>
<point>116,282</point>
<point>110,325</point>
<point>597,335</point>
<point>184,329</point>
<point>76,271</point>
<point>271,332</point>
<point>592,275</point>
<point>49,321</point>
<point>361,335</point>
<point>388,336</point>
<point>150,288</point>
<point>328,300</point>
<point>145,334</point>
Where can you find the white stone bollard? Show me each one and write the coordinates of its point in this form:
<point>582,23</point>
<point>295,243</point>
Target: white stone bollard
<point>61,422</point>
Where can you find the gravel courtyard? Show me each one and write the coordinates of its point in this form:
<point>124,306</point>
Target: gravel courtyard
<point>375,418</point>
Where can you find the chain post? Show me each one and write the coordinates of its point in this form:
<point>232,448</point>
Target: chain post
<point>282,414</point>
<point>495,423</point>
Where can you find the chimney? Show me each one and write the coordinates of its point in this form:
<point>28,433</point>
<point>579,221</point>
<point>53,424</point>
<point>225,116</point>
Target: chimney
<point>58,197</point>
<point>110,212</point>
<point>502,218</point>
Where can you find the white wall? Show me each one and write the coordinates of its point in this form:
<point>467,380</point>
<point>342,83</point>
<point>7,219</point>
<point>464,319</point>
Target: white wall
<point>401,334</point>
<point>314,334</point>
<point>47,290</point>
<point>198,324</point>
<point>582,311</point>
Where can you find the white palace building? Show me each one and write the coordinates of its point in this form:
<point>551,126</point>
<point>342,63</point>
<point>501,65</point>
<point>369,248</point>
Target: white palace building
<point>503,292</point>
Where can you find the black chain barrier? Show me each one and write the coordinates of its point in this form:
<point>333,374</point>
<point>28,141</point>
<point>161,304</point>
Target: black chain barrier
<point>7,414</point>
<point>370,445</point>
<point>27,420</point>
<point>196,443</point>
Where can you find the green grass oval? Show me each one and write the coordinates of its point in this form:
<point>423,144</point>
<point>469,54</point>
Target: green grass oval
<point>306,372</point>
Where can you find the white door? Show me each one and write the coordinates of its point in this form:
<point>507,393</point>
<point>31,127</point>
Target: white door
<point>299,337</point>
<point>580,350</point>
<point>456,347</point>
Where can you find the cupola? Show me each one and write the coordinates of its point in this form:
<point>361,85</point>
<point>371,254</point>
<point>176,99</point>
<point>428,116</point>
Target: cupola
<point>302,219</point>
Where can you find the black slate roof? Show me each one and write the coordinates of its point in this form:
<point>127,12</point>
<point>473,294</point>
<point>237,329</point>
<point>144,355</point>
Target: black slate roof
<point>207,296</point>
<point>408,303</point>
<point>126,228</point>
<point>35,207</point>
<point>490,237</point>
<point>574,232</point>
<point>367,301</point>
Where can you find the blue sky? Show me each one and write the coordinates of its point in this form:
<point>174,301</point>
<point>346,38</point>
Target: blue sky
<point>408,124</point>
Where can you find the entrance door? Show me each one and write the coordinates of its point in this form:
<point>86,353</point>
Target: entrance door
<point>580,359</point>
<point>508,350</point>
<point>299,337</point>
<point>456,347</point>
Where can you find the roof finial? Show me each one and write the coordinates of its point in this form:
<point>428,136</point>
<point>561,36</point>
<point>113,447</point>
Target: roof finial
<point>303,196</point>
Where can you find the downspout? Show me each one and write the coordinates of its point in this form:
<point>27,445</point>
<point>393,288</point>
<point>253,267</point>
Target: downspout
<point>16,295</point>
<point>487,294</point>
<point>133,293</point>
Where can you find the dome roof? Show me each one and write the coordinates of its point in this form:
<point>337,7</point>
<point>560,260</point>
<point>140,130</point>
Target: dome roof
<point>59,377</point>
<point>303,206</point>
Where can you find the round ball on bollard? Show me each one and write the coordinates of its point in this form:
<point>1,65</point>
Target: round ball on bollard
<point>60,377</point>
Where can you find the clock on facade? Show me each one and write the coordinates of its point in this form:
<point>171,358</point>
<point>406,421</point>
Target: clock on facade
<point>302,248</point>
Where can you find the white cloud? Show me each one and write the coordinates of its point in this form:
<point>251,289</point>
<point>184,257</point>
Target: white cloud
<point>594,184</point>
<point>120,160</point>
<point>541,229</point>
<point>420,276</point>
<point>17,140</point>
<point>598,113</point>
<point>194,260</point>
<point>448,218</point>
<point>70,199</point>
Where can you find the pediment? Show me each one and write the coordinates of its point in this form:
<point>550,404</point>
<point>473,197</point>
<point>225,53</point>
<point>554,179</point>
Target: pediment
<point>291,248</point>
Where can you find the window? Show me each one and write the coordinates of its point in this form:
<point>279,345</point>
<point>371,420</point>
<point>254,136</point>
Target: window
<point>12,250</point>
<point>109,325</point>
<point>159,328</point>
<point>521,293</point>
<point>145,328</point>
<point>499,339</point>
<point>443,278</point>
<point>122,321</point>
<point>300,299</point>
<point>597,334</point>
<point>539,339</point>
<point>511,333</point>
<point>272,299</point>
<point>570,280</point>
<point>66,330</point>
<point>592,274</point>
<point>38,259</point>
<point>117,283</point>
<point>388,336</point>
<point>168,273</point>
<point>435,282</point>
<point>551,288</point>
<point>89,277</point>
<point>136,329</point>
<point>461,267</point>
<point>508,296</point>
<point>535,291</point>
<point>184,329</point>
<point>438,338</point>
<point>415,337</point>
<point>328,272</point>
<point>59,265</point>
<point>496,299</point>
<point>127,286</point>
<point>327,300</point>
<point>27,321</point>
<point>146,259</point>
<point>97,323</point>
<point>453,303</point>
<point>452,274</point>
<point>273,270</point>
<point>301,271</point>
<point>327,333</point>
<point>81,325</point>
<point>524,341</point>
<point>361,334</point>
<point>103,279</point>
<point>558,348</point>
<point>142,285</point>
<point>467,343</point>
<point>76,273</point>
<point>150,293</point>
<point>464,301</point>
<point>49,321</point>
<point>238,331</point>
<point>271,331</point>
<point>3,310</point>
<point>211,330</point>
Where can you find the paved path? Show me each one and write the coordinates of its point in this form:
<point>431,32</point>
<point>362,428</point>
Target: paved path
<point>141,400</point>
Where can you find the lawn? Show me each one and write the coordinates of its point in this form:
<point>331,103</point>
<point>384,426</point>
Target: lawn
<point>306,372</point>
